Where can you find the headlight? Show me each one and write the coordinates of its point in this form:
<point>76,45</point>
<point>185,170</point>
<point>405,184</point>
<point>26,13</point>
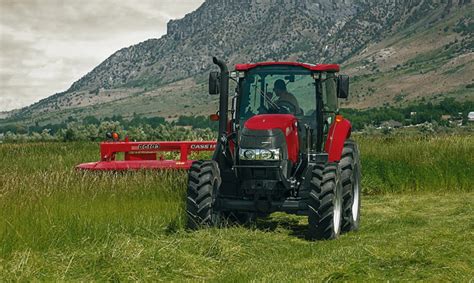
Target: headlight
<point>259,154</point>
<point>266,154</point>
<point>249,154</point>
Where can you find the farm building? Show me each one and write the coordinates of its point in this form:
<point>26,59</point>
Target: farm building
<point>470,116</point>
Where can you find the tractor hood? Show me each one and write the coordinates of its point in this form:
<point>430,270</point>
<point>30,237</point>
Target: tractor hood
<point>272,130</point>
<point>285,122</point>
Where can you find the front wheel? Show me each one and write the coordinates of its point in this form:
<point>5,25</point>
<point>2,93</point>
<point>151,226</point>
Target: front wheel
<point>325,202</point>
<point>203,185</point>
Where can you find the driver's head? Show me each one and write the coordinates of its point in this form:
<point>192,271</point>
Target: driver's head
<point>279,87</point>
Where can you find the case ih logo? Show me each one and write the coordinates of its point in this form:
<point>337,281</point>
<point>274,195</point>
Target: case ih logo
<point>203,146</point>
<point>148,146</point>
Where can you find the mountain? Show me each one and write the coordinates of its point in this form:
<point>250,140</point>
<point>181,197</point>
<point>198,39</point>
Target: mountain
<point>398,52</point>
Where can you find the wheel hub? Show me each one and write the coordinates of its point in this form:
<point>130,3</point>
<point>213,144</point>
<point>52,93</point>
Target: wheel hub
<point>337,210</point>
<point>355,196</point>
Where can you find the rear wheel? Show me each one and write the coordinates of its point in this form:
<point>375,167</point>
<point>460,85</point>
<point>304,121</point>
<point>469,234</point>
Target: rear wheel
<point>325,202</point>
<point>350,176</point>
<point>203,184</point>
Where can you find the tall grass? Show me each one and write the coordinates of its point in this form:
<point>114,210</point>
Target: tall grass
<point>47,204</point>
<point>59,224</point>
<point>417,163</point>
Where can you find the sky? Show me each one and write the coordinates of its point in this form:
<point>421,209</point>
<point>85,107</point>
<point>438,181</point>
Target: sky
<point>46,45</point>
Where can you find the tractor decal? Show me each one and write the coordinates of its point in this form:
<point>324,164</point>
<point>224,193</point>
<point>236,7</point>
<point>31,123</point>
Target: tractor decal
<point>146,146</point>
<point>203,146</point>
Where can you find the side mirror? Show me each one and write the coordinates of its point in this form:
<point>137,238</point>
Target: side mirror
<point>214,83</point>
<point>343,86</point>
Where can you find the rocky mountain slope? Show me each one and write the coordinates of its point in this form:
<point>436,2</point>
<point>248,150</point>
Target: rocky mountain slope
<point>390,47</point>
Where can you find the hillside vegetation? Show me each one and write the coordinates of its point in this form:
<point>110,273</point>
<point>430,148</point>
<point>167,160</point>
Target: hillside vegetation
<point>397,54</point>
<point>449,116</point>
<point>58,224</point>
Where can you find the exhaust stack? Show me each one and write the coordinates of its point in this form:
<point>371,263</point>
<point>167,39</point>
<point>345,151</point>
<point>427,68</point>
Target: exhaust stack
<point>224,95</point>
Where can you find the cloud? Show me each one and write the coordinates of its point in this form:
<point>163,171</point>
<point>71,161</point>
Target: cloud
<point>46,45</point>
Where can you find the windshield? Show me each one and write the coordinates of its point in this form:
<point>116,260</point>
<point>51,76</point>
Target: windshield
<point>282,89</point>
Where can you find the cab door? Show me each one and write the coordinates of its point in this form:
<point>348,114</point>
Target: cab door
<point>330,101</point>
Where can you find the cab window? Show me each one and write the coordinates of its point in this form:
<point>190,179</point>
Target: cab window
<point>329,92</point>
<point>272,90</point>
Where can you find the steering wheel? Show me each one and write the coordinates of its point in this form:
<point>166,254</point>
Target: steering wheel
<point>286,107</point>
<point>263,110</point>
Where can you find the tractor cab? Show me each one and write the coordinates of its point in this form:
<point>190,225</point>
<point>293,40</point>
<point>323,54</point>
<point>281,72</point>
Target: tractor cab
<point>295,99</point>
<point>281,134</point>
<point>287,88</point>
<point>283,88</point>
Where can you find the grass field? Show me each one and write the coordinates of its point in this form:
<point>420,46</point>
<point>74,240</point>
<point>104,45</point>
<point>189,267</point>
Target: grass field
<point>58,224</point>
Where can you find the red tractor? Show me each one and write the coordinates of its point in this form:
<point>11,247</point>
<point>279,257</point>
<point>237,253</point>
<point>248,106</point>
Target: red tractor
<point>282,146</point>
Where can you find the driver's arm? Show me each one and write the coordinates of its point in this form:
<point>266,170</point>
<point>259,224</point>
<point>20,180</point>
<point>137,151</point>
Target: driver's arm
<point>292,99</point>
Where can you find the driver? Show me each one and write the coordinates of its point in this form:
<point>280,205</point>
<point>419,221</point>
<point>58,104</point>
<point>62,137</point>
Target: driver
<point>283,96</point>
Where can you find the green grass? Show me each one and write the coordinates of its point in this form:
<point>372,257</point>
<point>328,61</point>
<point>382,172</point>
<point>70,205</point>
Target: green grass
<point>402,164</point>
<point>58,224</point>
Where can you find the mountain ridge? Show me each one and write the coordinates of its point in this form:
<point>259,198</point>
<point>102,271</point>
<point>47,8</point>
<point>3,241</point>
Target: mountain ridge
<point>249,31</point>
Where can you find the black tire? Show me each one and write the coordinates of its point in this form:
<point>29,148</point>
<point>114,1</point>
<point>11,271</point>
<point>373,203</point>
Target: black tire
<point>325,202</point>
<point>203,184</point>
<point>350,176</point>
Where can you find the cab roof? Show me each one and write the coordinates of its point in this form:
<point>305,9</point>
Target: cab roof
<point>311,67</point>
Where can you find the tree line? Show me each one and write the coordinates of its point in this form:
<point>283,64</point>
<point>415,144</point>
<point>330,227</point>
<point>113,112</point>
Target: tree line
<point>196,127</point>
<point>411,115</point>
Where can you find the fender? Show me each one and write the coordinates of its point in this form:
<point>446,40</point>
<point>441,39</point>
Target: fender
<point>339,132</point>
